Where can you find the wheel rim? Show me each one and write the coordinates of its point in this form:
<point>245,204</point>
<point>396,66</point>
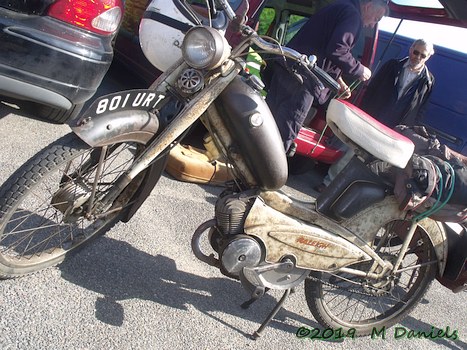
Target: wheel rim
<point>356,302</point>
<point>49,219</point>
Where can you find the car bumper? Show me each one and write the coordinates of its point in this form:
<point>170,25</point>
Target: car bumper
<point>48,61</point>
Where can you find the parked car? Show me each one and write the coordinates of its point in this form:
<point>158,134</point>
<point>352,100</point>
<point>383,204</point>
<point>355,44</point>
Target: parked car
<point>54,54</point>
<point>281,19</point>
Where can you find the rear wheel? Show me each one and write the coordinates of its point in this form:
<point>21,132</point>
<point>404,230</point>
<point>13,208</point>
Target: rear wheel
<point>361,305</point>
<point>51,205</point>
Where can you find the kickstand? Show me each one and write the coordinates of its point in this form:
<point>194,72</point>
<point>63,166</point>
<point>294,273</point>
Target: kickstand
<point>273,313</point>
<point>258,293</point>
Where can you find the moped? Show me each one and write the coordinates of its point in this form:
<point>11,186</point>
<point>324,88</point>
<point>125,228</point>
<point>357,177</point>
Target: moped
<point>365,261</point>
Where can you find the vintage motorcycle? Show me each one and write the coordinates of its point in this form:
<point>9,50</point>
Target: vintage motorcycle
<point>365,262</point>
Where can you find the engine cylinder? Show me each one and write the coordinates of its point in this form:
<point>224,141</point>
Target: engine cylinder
<point>230,214</point>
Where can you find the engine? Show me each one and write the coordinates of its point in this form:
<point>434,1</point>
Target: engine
<point>236,250</point>
<point>242,256</point>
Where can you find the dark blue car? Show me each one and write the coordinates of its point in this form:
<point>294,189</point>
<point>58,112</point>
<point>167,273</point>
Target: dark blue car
<point>54,54</point>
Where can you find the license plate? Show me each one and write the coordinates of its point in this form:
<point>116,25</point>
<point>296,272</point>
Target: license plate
<point>126,100</point>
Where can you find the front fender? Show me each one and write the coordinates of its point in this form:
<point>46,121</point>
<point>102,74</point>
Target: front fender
<point>121,116</point>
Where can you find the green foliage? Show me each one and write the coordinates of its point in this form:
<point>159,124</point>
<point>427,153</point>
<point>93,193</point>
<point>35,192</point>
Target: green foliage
<point>265,20</point>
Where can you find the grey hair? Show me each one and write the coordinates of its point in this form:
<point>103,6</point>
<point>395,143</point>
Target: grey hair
<point>380,3</point>
<point>426,43</point>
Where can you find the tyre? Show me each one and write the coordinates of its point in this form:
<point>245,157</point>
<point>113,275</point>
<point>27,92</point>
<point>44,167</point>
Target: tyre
<point>359,305</point>
<point>52,204</point>
<point>57,115</point>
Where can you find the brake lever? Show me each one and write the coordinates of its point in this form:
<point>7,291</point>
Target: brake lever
<point>308,63</point>
<point>315,79</point>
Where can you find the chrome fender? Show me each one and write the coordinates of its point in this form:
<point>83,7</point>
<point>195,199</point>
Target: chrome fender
<point>125,115</point>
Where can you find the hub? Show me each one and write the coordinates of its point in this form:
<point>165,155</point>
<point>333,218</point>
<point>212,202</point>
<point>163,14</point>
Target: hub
<point>70,198</point>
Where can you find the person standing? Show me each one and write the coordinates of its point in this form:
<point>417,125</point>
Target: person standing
<point>401,87</point>
<point>330,34</point>
<point>395,95</point>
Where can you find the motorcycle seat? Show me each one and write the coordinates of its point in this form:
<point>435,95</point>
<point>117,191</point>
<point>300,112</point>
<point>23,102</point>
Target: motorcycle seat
<point>358,129</point>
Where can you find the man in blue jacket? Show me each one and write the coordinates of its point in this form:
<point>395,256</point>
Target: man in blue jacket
<point>330,34</point>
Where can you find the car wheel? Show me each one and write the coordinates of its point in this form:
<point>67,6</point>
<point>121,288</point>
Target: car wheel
<point>58,115</point>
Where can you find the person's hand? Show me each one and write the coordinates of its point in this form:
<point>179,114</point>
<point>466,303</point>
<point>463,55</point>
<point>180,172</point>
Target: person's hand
<point>366,74</point>
<point>344,91</point>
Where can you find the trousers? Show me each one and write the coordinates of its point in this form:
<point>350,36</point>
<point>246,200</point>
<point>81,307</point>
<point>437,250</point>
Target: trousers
<point>290,102</point>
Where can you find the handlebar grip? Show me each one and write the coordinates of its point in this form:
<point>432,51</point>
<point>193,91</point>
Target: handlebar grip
<point>326,79</point>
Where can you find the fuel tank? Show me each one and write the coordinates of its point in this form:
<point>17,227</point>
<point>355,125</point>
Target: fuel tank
<point>255,133</point>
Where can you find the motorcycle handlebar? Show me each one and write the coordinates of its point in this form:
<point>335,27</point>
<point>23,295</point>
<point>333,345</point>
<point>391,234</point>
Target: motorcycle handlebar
<point>317,74</point>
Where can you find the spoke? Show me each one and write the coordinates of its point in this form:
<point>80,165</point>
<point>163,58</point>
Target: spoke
<point>48,217</point>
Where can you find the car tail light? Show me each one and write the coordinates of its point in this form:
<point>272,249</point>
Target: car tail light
<point>99,16</point>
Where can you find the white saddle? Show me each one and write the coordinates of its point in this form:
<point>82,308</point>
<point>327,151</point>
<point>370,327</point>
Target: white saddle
<point>357,128</point>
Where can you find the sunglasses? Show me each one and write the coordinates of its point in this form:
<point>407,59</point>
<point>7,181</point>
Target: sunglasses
<point>418,53</point>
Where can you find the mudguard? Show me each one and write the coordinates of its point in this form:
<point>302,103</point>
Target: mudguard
<point>124,115</point>
<point>368,222</point>
<point>438,237</point>
<point>120,116</point>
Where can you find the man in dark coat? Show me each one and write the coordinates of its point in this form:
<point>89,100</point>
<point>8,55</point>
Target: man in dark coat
<point>401,87</point>
<point>330,34</point>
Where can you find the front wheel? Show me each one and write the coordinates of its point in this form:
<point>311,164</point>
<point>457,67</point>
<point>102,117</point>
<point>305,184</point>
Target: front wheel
<point>50,206</point>
<point>360,305</point>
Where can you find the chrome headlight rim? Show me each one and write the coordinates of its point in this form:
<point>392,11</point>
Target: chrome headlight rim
<point>204,48</point>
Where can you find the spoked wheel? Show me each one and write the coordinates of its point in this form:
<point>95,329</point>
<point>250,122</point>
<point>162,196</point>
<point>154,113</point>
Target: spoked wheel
<point>360,304</point>
<point>52,204</point>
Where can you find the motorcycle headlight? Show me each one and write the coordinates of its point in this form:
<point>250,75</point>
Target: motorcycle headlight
<point>204,48</point>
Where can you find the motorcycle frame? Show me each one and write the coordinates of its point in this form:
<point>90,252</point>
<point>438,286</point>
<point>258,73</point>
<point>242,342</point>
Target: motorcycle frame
<point>306,213</point>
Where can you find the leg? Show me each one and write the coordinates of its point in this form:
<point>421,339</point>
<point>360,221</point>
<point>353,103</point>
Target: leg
<point>289,102</point>
<point>337,167</point>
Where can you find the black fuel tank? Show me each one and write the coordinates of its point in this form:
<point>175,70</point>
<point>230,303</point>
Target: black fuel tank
<point>248,118</point>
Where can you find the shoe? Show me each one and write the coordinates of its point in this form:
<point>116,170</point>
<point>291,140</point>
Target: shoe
<point>292,150</point>
<point>320,188</point>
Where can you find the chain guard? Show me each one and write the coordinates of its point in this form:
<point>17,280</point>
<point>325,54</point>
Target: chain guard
<point>283,275</point>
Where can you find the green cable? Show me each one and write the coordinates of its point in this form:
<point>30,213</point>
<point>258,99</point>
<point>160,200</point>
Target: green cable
<point>435,208</point>
<point>352,87</point>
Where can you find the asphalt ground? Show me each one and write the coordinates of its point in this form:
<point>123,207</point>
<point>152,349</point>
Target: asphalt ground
<point>140,286</point>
